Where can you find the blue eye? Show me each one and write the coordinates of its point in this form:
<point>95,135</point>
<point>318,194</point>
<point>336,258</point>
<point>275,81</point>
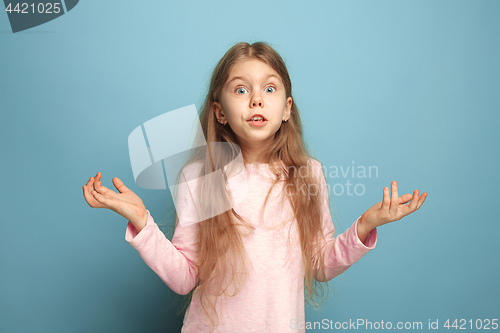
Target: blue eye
<point>272,89</point>
<point>240,89</point>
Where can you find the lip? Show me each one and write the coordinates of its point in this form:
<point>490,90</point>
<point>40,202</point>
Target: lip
<point>257,114</point>
<point>257,123</point>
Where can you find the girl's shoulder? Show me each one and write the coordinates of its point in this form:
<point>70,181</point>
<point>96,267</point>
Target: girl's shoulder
<point>317,168</point>
<point>315,165</point>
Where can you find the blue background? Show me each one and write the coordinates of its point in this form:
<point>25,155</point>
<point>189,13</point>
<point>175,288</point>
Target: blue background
<point>411,87</point>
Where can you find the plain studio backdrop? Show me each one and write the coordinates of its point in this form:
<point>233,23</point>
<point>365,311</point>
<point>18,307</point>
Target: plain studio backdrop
<point>409,88</point>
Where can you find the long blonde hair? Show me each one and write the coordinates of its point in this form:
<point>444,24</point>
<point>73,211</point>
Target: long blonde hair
<point>221,254</point>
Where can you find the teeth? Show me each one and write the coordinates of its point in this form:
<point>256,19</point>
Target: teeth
<point>257,118</point>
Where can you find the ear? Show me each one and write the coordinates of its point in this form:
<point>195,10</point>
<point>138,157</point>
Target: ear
<point>288,108</point>
<point>219,115</point>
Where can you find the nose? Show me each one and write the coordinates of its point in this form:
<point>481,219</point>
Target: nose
<point>256,100</point>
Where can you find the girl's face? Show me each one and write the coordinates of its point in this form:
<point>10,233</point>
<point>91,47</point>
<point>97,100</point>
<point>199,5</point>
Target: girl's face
<point>253,87</point>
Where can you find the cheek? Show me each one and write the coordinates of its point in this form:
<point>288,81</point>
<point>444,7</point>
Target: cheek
<point>278,104</point>
<point>280,99</point>
<point>230,108</point>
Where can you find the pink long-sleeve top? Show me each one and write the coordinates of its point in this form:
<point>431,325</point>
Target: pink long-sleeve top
<point>272,299</point>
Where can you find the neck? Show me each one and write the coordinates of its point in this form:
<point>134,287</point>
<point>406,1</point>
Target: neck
<point>254,156</point>
<point>255,152</point>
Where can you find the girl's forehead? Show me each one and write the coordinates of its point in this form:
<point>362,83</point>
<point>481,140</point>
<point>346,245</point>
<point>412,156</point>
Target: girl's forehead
<point>246,68</point>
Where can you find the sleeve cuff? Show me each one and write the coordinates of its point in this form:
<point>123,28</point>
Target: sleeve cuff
<point>135,238</point>
<point>370,241</point>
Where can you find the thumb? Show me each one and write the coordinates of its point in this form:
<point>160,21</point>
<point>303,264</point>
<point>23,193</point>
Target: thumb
<point>119,185</point>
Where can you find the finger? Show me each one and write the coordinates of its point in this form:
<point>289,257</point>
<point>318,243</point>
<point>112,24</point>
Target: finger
<point>101,189</point>
<point>405,198</point>
<point>119,185</point>
<point>386,201</point>
<point>394,199</point>
<point>90,183</point>
<point>87,187</point>
<point>414,201</point>
<point>95,179</point>
<point>86,193</point>
<point>98,177</point>
<point>89,197</point>
<point>98,185</point>
<point>100,198</point>
<point>421,200</point>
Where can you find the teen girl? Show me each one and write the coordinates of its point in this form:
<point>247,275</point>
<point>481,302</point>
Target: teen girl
<point>246,269</point>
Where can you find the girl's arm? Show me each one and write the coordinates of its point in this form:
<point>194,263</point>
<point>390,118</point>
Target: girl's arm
<point>340,253</point>
<point>363,230</point>
<point>174,262</point>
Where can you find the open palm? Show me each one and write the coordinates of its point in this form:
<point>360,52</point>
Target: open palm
<point>393,207</point>
<point>126,203</point>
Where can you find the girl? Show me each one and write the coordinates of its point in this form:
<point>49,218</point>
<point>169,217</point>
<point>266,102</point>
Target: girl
<point>246,268</point>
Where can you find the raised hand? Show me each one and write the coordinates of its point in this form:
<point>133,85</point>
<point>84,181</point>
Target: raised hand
<point>126,203</point>
<point>392,207</point>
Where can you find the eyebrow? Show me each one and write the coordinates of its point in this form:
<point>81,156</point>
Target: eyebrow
<point>243,79</point>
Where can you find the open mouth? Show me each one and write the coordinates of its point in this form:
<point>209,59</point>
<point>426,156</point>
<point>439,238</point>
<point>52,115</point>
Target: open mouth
<point>257,118</point>
<point>261,120</point>
<point>258,122</point>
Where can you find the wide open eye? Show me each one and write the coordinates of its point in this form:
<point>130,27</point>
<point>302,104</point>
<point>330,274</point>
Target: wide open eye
<point>270,89</point>
<point>240,90</point>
